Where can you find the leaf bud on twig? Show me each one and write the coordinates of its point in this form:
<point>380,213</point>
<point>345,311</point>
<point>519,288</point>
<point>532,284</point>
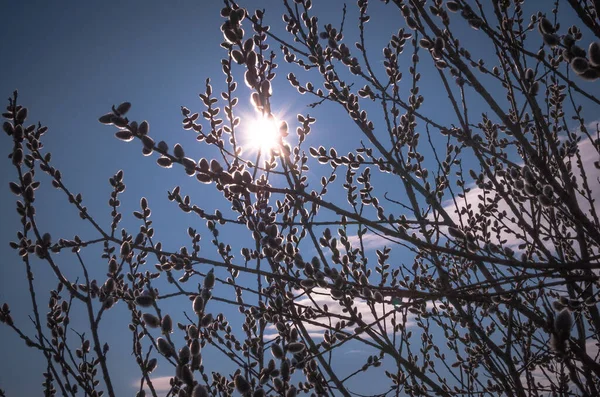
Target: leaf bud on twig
<point>165,348</point>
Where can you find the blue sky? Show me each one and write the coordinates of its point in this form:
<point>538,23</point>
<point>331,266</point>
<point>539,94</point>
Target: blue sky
<point>70,63</point>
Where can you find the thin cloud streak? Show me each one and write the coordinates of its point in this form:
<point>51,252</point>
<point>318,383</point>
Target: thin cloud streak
<point>321,297</point>
<point>371,241</point>
<point>160,383</point>
<point>542,381</point>
<point>588,154</point>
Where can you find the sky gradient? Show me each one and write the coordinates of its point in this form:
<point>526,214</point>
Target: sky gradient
<point>70,63</point>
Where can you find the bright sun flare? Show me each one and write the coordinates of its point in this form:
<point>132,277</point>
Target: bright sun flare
<point>263,134</point>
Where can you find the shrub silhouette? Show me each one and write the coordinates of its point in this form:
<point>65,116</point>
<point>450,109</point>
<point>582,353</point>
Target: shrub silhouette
<point>494,214</point>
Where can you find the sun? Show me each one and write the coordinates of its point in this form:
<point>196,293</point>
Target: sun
<point>263,134</point>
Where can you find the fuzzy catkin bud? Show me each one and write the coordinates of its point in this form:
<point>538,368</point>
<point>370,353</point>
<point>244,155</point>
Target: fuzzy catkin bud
<point>579,65</point>
<point>562,330</point>
<point>198,304</point>
<point>123,108</point>
<point>209,280</point>
<point>144,300</point>
<point>151,366</point>
<point>184,354</point>
<point>178,151</point>
<point>165,347</point>
<point>143,128</point>
<point>295,347</point>
<point>206,320</point>
<point>125,249</point>
<point>195,349</point>
<point>453,6</point>
<point>455,232</point>
<point>8,128</point>
<point>529,74</point>
<point>277,351</point>
<point>241,384</point>
<point>546,26</point>
<point>187,375</point>
<point>163,147</point>
<point>109,285</point>
<point>200,391</point>
<point>551,40</point>
<point>112,266</point>
<point>544,200</point>
<point>563,323</point>
<point>151,320</point>
<point>193,331</point>
<point>167,324</point>
<point>594,53</point>
<point>307,283</point>
<point>196,360</point>
<point>292,392</point>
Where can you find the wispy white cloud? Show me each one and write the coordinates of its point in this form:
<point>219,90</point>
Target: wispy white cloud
<point>588,154</point>
<point>160,383</point>
<point>371,241</point>
<point>474,197</point>
<point>543,379</point>
<point>356,351</point>
<point>373,317</point>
